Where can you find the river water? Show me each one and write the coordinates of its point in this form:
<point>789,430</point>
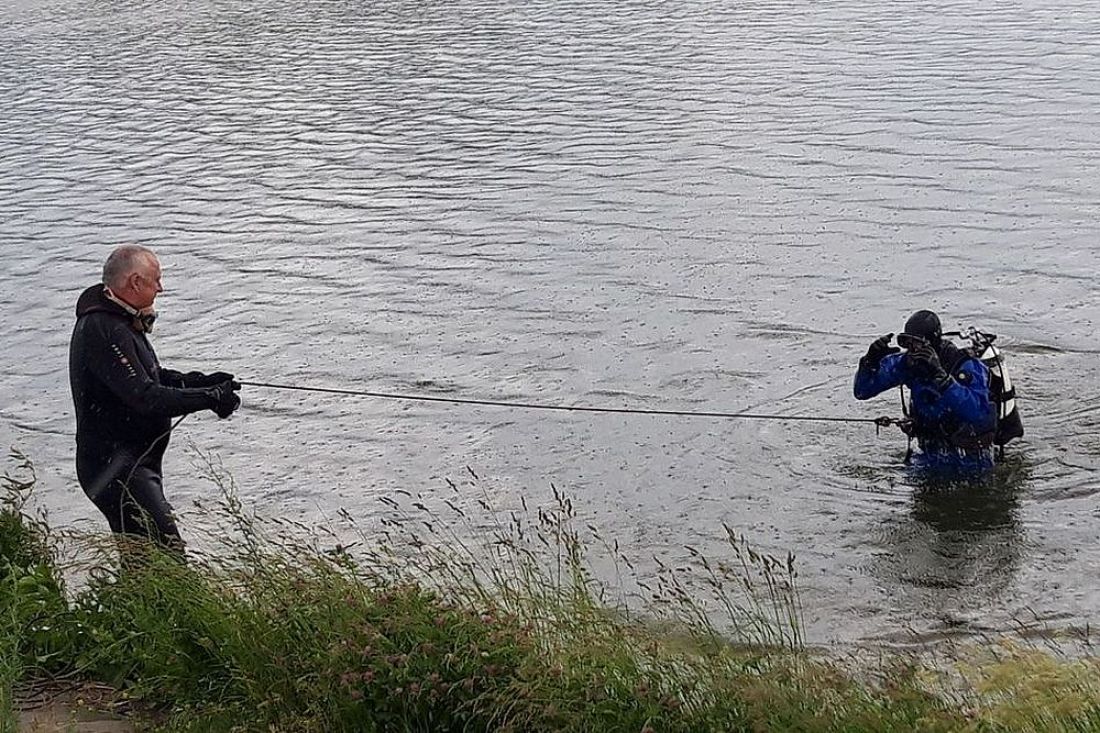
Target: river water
<point>667,205</point>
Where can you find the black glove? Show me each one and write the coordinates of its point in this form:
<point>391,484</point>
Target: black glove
<point>223,401</point>
<point>198,380</point>
<point>218,377</point>
<point>923,362</point>
<point>879,349</point>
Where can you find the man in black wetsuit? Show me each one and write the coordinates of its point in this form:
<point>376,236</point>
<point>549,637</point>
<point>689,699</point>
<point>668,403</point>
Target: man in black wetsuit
<point>125,400</point>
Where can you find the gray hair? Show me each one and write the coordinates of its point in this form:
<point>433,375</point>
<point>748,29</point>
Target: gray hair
<point>124,260</point>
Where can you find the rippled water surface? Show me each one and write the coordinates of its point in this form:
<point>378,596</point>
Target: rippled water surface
<point>672,205</point>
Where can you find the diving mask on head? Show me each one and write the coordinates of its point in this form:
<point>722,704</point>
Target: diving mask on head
<point>143,318</point>
<point>909,341</point>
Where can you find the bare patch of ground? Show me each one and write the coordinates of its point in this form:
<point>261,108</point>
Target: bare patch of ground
<point>72,708</point>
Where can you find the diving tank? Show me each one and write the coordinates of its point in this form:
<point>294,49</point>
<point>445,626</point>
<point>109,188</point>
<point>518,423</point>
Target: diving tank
<point>1009,425</point>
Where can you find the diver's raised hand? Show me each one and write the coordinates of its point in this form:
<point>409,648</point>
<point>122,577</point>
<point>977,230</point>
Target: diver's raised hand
<point>880,348</point>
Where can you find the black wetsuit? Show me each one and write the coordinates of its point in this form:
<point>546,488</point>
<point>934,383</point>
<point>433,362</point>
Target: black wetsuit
<point>125,403</point>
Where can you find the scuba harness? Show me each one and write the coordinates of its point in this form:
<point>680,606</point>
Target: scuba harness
<point>1002,395</point>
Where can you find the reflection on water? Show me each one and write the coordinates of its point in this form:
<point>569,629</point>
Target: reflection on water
<point>967,504</point>
<point>958,545</point>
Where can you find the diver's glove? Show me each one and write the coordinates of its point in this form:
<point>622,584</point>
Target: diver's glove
<point>198,379</point>
<point>223,400</point>
<point>880,348</point>
<point>924,364</point>
<point>217,378</point>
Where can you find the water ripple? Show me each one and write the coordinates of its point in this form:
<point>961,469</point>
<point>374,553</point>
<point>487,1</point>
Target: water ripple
<point>698,203</point>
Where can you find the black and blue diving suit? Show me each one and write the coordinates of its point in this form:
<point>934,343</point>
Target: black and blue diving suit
<point>951,415</point>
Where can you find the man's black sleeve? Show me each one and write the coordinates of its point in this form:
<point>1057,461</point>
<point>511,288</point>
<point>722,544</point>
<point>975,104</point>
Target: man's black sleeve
<point>112,358</point>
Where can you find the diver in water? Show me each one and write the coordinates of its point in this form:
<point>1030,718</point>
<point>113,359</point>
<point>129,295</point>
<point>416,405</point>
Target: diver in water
<point>951,415</point>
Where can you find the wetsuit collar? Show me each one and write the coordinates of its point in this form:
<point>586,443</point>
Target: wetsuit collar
<point>143,318</point>
<point>99,299</point>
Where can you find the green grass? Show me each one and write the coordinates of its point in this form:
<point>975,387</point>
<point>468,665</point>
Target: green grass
<point>31,590</point>
<point>453,617</point>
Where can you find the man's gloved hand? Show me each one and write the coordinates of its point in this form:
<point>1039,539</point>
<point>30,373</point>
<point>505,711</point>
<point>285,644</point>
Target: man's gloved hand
<point>924,364</point>
<point>223,399</point>
<point>879,349</point>
<point>218,377</point>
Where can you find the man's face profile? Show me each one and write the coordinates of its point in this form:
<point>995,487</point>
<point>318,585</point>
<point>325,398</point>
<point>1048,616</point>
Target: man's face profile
<point>145,283</point>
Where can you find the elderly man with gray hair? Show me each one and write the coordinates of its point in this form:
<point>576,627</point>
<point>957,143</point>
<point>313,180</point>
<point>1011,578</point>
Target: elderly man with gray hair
<point>125,400</point>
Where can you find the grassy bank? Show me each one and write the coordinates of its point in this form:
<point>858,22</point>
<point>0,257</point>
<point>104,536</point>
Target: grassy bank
<point>412,629</point>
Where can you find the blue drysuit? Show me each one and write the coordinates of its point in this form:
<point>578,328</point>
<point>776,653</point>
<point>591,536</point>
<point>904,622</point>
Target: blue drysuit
<point>952,425</point>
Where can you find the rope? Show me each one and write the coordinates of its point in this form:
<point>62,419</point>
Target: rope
<point>877,421</point>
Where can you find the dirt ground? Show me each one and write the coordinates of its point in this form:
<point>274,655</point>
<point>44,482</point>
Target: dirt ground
<point>72,709</point>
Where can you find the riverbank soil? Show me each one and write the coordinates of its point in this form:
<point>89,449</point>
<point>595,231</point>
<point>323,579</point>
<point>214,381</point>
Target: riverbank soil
<point>86,708</point>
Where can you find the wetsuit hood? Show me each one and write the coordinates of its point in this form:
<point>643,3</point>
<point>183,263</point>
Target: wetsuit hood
<point>926,325</point>
<point>95,300</point>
